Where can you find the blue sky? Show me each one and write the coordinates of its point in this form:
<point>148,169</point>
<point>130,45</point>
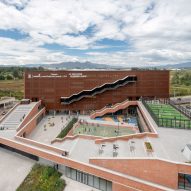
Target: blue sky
<point>123,32</point>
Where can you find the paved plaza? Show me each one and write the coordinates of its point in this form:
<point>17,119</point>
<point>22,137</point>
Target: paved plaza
<point>48,129</point>
<point>14,168</point>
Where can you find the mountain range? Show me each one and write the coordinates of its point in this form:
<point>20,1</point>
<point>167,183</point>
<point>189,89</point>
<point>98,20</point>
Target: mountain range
<point>90,65</point>
<point>177,66</point>
<point>73,65</point>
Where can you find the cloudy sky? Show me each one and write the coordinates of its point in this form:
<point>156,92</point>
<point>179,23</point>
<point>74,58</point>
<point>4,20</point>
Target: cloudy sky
<point>117,32</point>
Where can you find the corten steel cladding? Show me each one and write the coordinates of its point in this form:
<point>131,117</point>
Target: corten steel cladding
<point>51,86</point>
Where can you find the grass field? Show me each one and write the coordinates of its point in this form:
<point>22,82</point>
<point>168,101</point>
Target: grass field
<point>103,131</point>
<point>42,178</point>
<point>15,85</point>
<point>169,116</point>
<point>14,88</point>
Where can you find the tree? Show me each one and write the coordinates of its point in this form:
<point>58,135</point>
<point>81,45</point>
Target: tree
<point>16,73</point>
<point>2,77</point>
<point>9,77</point>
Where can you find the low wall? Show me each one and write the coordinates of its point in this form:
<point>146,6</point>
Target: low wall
<point>125,137</point>
<point>153,170</point>
<point>31,114</point>
<point>27,129</point>
<point>148,122</point>
<point>40,145</point>
<point>88,137</point>
<point>7,114</point>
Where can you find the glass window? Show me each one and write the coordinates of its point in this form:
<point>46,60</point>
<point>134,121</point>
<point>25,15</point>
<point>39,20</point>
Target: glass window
<point>180,180</point>
<point>68,172</point>
<point>109,186</point>
<point>85,178</point>
<point>90,180</point>
<point>187,181</point>
<point>96,182</point>
<point>103,184</point>
<point>73,174</point>
<point>79,176</point>
<point>184,181</point>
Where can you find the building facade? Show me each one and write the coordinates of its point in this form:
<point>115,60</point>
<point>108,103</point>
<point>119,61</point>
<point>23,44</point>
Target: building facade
<point>82,91</point>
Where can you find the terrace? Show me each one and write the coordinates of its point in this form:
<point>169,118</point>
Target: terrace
<point>84,147</point>
<point>83,138</point>
<point>48,129</point>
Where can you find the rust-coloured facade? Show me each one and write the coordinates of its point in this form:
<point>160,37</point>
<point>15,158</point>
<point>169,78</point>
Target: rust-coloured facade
<point>51,86</point>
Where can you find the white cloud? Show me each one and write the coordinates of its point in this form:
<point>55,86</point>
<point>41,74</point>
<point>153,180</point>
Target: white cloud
<point>14,52</point>
<point>159,31</point>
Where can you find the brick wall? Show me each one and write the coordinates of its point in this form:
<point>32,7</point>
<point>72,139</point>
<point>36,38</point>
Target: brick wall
<point>154,170</point>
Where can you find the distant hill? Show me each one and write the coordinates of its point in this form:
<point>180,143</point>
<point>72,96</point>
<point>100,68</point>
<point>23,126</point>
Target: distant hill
<point>177,66</point>
<point>73,65</point>
<point>90,65</point>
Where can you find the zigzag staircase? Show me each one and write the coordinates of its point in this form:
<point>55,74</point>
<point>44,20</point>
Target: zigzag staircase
<point>112,109</point>
<point>98,90</point>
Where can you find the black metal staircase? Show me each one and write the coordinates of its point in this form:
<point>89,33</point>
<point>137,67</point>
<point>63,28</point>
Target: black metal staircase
<point>98,90</point>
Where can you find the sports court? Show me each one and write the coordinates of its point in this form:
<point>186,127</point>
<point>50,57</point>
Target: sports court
<point>103,131</point>
<point>168,116</point>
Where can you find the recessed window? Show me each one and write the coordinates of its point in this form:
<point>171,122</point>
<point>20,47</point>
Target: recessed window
<point>184,181</point>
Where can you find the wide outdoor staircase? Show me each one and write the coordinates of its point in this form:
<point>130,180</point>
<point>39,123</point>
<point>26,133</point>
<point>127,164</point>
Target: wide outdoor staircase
<point>112,109</point>
<point>98,90</point>
<point>15,118</point>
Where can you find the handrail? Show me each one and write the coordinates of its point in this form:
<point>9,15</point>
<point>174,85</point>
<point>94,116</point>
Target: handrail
<point>112,106</point>
<point>98,89</point>
<point>7,114</point>
<point>115,108</point>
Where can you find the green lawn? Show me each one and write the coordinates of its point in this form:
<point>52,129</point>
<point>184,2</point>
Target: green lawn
<point>169,116</point>
<point>103,131</point>
<point>42,178</point>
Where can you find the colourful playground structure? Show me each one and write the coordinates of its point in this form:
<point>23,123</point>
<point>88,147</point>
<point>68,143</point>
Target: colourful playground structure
<point>119,118</point>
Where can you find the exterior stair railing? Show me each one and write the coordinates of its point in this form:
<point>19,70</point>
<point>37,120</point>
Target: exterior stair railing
<point>112,109</point>
<point>98,90</point>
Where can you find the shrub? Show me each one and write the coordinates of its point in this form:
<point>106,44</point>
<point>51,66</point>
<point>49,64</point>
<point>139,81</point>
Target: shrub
<point>69,126</point>
<point>148,146</point>
<point>42,178</point>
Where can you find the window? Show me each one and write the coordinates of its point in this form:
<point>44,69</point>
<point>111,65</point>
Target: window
<point>103,184</point>
<point>96,182</point>
<point>68,172</point>
<point>184,181</point>
<point>73,174</point>
<point>88,179</point>
<point>109,186</point>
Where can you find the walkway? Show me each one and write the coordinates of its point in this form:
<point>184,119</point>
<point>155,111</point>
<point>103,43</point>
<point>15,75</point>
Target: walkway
<point>14,168</point>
